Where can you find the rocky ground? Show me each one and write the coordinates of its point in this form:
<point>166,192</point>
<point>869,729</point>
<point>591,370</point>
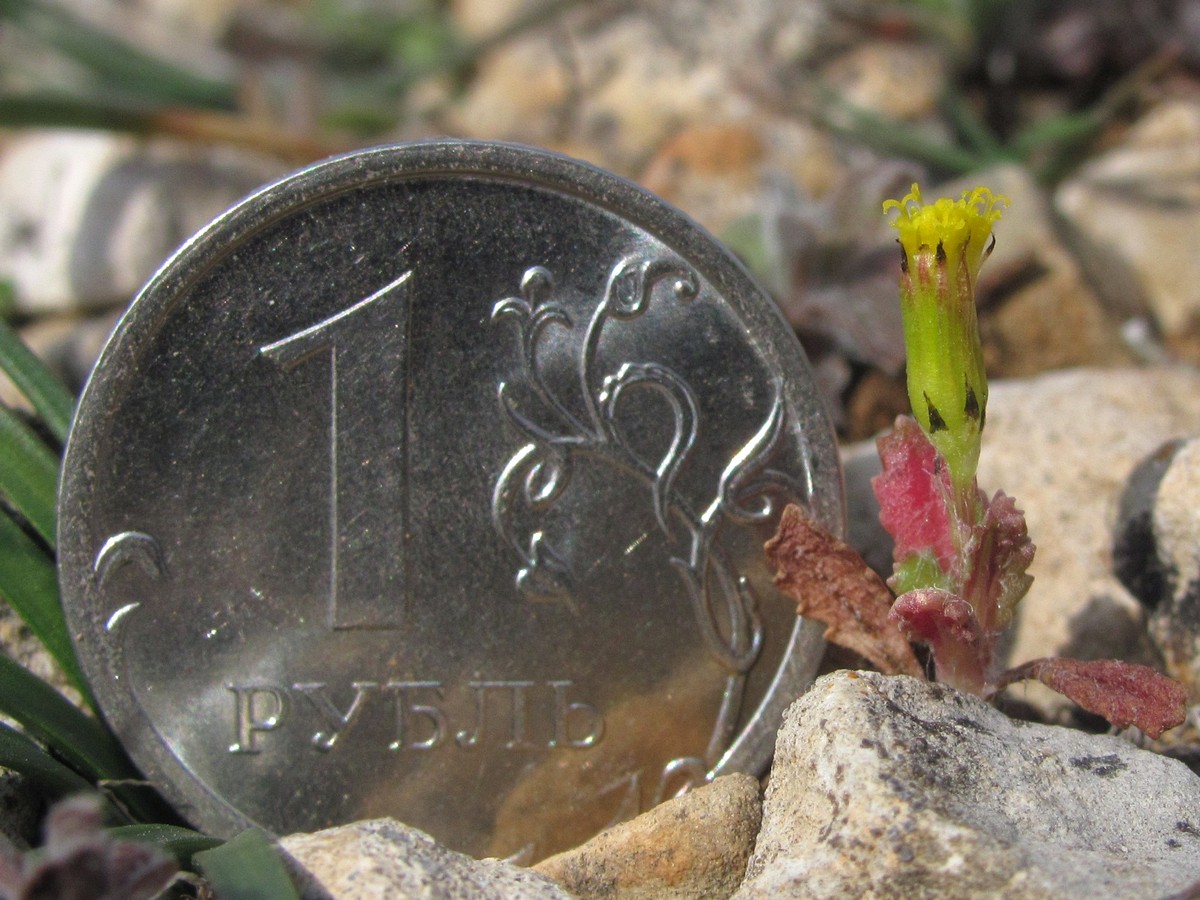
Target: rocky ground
<point>781,127</point>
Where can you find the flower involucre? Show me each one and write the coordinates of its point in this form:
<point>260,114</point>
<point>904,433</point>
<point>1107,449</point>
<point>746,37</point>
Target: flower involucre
<point>944,244</point>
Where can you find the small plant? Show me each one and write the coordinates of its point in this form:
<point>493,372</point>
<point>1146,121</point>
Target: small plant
<point>960,558</point>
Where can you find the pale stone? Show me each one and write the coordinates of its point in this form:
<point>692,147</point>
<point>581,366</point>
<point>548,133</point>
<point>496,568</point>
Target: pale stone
<point>1175,532</point>
<point>694,846</point>
<point>901,81</point>
<point>381,859</point>
<point>520,93</point>
<point>1177,517</point>
<point>87,216</point>
<point>481,19</point>
<point>890,787</point>
<point>1064,446</point>
<point>637,90</point>
<point>1136,208</point>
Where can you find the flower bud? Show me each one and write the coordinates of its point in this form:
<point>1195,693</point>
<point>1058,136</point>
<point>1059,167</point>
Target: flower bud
<point>943,245</point>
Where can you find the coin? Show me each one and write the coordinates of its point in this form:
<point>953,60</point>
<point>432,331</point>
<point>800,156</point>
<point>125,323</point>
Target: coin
<point>431,482</point>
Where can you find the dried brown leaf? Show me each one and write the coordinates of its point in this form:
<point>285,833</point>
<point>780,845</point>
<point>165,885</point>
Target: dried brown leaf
<point>832,584</point>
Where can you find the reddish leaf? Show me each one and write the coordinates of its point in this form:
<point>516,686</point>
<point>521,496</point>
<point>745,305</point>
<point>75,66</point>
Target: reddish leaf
<point>830,583</point>
<point>912,491</point>
<point>1124,693</point>
<point>1001,552</point>
<point>947,624</point>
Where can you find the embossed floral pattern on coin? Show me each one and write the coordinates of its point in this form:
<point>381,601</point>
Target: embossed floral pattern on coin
<point>431,482</point>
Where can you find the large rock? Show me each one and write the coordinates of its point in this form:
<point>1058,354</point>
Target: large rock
<point>383,858</point>
<point>693,847</point>
<point>889,787</point>
<point>1134,210</point>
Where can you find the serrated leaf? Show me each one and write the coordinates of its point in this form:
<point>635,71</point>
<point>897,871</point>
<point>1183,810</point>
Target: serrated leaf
<point>30,585</point>
<point>832,584</point>
<point>1002,554</point>
<point>28,474</point>
<point>247,867</point>
<point>50,400</point>
<point>1122,692</point>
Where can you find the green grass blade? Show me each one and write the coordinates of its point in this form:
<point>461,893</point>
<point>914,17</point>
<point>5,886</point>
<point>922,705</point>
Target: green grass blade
<point>896,138</point>
<point>49,398</point>
<point>51,777</point>
<point>117,65</point>
<point>182,843</point>
<point>44,713</point>
<point>247,867</point>
<point>29,583</point>
<point>28,473</point>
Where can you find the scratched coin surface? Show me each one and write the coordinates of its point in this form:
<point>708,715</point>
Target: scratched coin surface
<point>431,482</point>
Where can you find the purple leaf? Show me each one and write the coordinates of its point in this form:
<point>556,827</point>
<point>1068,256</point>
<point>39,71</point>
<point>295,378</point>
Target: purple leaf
<point>1122,692</point>
<point>832,584</point>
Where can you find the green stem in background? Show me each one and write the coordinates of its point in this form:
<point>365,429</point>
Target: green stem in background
<point>119,67</point>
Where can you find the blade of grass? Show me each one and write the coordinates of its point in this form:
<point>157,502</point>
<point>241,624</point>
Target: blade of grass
<point>83,742</point>
<point>896,138</point>
<point>119,66</point>
<point>182,843</point>
<point>51,777</point>
<point>248,867</point>
<point>50,400</point>
<point>28,473</point>
<point>29,583</point>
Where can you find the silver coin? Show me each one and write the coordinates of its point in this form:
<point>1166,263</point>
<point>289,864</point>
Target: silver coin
<point>431,482</point>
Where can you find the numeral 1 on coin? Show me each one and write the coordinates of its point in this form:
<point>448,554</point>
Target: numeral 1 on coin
<point>367,349</point>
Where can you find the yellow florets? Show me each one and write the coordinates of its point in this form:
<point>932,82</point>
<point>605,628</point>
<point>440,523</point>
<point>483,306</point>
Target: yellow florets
<point>944,244</point>
<point>962,228</point>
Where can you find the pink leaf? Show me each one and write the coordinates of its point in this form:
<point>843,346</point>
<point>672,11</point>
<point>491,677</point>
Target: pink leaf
<point>912,491</point>
<point>830,583</point>
<point>1124,693</point>
<point>947,624</point>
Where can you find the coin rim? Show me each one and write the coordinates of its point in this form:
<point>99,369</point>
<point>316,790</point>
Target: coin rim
<point>751,748</point>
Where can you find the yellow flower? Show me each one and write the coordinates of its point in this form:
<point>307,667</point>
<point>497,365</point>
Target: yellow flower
<point>943,246</point>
